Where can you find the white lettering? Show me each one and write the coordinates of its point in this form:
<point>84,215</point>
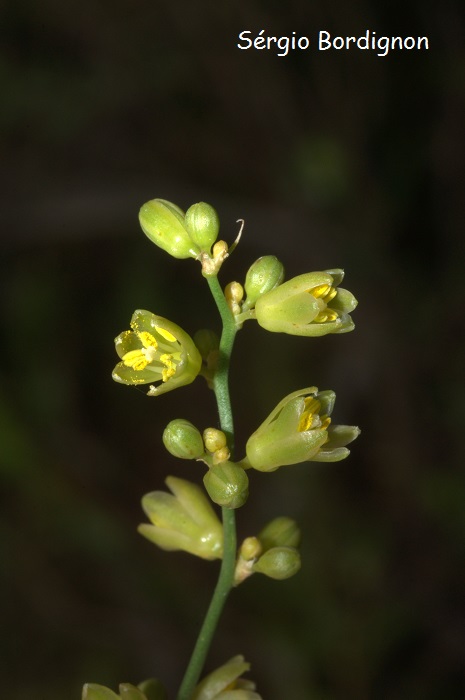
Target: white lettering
<point>242,37</point>
<point>259,40</point>
<point>324,40</point>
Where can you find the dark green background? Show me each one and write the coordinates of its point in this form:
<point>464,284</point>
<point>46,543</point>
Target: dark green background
<point>334,159</point>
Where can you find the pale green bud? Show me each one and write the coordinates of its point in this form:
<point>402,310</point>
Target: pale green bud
<point>280,532</point>
<point>225,683</point>
<point>184,520</point>
<point>148,690</point>
<point>251,548</point>
<point>164,223</point>
<point>203,225</point>
<point>278,563</point>
<point>265,274</point>
<point>153,689</point>
<point>93,691</point>
<point>227,485</point>
<point>183,440</point>
<point>309,305</point>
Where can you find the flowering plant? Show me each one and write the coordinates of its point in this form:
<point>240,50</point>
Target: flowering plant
<point>158,353</point>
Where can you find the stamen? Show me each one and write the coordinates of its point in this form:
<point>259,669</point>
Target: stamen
<point>319,290</point>
<point>135,359</point>
<point>326,315</point>
<point>165,334</point>
<point>147,339</point>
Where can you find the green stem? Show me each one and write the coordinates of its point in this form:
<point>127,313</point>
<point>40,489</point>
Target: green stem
<point>226,576</point>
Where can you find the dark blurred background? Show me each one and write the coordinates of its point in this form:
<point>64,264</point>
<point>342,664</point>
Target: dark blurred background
<point>334,159</point>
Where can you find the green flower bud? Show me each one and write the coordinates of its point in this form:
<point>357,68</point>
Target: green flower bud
<point>309,305</point>
<point>265,274</point>
<point>183,440</point>
<point>156,350</point>
<point>227,485</point>
<point>203,225</point>
<point>92,691</point>
<point>148,690</point>
<point>299,430</point>
<point>130,692</point>
<point>183,521</point>
<point>153,689</point>
<point>280,532</point>
<point>278,563</point>
<point>164,223</point>
<point>206,341</point>
<point>225,683</point>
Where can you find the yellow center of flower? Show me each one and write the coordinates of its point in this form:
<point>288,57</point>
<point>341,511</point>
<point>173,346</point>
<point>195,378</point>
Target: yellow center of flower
<point>139,359</point>
<point>311,418</point>
<point>324,293</point>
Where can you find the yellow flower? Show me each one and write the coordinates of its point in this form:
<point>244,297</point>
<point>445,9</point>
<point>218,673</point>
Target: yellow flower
<point>157,352</point>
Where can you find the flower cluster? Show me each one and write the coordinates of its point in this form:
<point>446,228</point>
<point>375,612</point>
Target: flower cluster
<point>158,353</point>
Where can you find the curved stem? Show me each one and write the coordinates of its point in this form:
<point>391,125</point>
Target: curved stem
<point>226,576</point>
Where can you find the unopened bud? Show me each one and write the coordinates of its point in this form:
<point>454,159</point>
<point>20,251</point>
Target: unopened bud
<point>280,532</point>
<point>183,440</point>
<point>214,439</point>
<point>265,274</point>
<point>203,225</point>
<point>227,485</point>
<point>278,563</point>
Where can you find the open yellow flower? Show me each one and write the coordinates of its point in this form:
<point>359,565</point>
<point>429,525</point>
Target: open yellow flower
<point>157,352</point>
<point>311,305</point>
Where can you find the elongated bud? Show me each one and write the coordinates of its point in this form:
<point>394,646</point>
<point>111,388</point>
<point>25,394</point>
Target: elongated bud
<point>265,274</point>
<point>203,225</point>
<point>280,532</point>
<point>227,485</point>
<point>163,222</point>
<point>183,440</point>
<point>278,563</point>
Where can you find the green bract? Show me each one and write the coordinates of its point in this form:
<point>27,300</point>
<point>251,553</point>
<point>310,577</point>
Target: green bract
<point>184,521</point>
<point>299,430</point>
<point>310,305</point>
<point>163,222</point>
<point>225,684</point>
<point>156,351</point>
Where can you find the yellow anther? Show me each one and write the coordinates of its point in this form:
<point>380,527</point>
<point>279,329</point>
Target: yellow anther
<point>319,290</point>
<point>147,339</point>
<point>168,373</point>
<point>165,334</point>
<point>325,421</point>
<point>135,359</point>
<point>312,407</point>
<point>330,294</point>
<point>326,315</point>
